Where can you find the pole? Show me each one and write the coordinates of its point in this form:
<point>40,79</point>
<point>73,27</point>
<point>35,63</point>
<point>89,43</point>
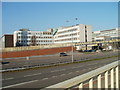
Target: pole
<point>72,47</point>
<point>72,44</point>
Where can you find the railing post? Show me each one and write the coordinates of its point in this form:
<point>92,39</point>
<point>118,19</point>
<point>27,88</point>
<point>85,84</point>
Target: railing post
<point>117,77</point>
<point>112,78</point>
<point>91,84</point>
<point>99,82</point>
<point>81,86</point>
<point>106,80</point>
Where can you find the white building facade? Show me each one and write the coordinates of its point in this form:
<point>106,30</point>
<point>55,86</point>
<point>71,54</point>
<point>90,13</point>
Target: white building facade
<point>106,34</point>
<point>25,37</point>
<point>77,33</point>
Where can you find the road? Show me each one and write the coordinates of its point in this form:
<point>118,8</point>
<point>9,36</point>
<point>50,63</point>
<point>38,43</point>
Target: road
<point>50,59</point>
<point>40,78</point>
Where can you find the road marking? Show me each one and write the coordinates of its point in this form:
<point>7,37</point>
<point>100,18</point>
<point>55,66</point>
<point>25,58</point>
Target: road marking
<point>62,74</point>
<point>54,76</point>
<point>8,79</point>
<point>58,70</point>
<point>91,64</point>
<point>63,69</point>
<point>44,78</point>
<point>77,71</point>
<point>53,71</point>
<point>83,69</point>
<point>20,84</point>
<point>77,67</point>
<point>32,75</point>
<point>6,64</point>
<point>89,68</point>
<point>70,73</point>
<point>73,67</point>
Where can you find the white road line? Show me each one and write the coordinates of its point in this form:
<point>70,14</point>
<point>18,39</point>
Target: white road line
<point>54,76</point>
<point>63,69</point>
<point>89,68</point>
<point>32,75</point>
<point>76,67</point>
<point>20,84</point>
<point>62,74</point>
<point>70,73</point>
<point>44,78</point>
<point>58,70</point>
<point>7,64</point>
<point>8,79</point>
<point>91,64</point>
<point>77,71</point>
<point>83,70</point>
<point>73,67</point>
<point>55,71</point>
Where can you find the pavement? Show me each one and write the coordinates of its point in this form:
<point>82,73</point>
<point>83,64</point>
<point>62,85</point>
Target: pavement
<point>41,78</point>
<point>52,59</point>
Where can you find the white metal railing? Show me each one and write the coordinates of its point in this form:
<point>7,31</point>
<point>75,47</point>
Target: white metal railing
<point>110,73</point>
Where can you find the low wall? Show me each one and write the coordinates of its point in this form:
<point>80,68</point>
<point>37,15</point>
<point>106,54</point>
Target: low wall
<point>35,52</point>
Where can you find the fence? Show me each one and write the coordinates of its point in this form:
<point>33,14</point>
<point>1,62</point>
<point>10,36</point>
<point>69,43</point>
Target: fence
<point>110,73</point>
<point>54,45</point>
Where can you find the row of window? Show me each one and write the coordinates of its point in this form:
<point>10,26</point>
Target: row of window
<point>44,33</point>
<point>71,30</point>
<point>67,35</point>
<point>41,44</point>
<point>34,40</point>
<point>69,39</point>
<point>32,36</point>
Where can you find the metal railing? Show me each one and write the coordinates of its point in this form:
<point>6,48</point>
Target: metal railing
<point>110,73</point>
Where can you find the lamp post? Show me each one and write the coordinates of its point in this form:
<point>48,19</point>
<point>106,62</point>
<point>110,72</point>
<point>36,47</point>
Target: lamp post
<point>72,47</point>
<point>72,43</point>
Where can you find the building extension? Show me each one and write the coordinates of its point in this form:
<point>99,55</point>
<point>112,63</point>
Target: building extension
<point>7,41</point>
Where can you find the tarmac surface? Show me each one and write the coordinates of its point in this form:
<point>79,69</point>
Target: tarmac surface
<point>43,77</point>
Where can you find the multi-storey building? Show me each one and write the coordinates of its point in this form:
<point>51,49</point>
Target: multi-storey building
<point>106,34</point>
<point>25,37</point>
<point>77,33</point>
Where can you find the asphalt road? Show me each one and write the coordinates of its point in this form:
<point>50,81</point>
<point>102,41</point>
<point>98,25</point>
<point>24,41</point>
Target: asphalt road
<point>50,59</point>
<point>40,78</point>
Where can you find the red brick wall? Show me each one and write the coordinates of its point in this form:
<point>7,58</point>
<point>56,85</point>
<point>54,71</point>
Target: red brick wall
<point>35,52</point>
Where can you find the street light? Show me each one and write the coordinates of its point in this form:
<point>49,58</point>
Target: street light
<point>72,43</point>
<point>72,47</point>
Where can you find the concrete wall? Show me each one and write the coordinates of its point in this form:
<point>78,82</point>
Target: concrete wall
<point>82,33</point>
<point>35,52</point>
<point>89,33</point>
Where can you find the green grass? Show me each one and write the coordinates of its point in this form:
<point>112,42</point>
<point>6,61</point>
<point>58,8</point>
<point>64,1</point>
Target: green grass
<point>61,64</point>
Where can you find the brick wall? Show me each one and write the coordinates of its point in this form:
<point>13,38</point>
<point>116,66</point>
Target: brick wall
<point>35,52</point>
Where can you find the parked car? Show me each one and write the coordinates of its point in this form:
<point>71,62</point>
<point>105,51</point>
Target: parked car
<point>5,62</point>
<point>86,50</point>
<point>63,54</point>
<point>89,50</point>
